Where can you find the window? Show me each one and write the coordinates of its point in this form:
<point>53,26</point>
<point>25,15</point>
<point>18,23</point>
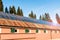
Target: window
<point>44,31</point>
<point>26,30</point>
<point>13,30</point>
<point>36,30</point>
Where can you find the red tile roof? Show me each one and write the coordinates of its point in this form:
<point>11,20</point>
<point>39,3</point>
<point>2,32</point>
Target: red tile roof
<point>25,24</point>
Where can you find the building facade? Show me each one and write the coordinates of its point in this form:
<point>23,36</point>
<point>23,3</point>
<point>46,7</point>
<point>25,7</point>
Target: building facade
<point>21,28</point>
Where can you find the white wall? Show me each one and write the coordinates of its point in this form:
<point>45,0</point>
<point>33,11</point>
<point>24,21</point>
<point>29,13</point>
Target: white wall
<point>17,30</point>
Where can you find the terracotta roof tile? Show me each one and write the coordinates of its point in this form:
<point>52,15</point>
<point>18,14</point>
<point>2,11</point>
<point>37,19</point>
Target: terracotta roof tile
<point>40,26</point>
<point>28,24</point>
<point>18,22</point>
<point>10,22</point>
<point>25,24</point>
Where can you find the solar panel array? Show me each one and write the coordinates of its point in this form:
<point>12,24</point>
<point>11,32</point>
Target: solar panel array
<point>21,18</point>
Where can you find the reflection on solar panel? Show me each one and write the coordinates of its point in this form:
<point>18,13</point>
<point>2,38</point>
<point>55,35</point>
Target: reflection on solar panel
<point>15,17</point>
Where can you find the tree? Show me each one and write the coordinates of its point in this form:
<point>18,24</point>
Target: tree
<point>13,10</point>
<point>31,15</point>
<point>45,17</point>
<point>10,10</point>
<point>48,17</point>
<point>57,18</point>
<point>6,10</point>
<point>34,16</point>
<point>1,5</point>
<point>19,12</point>
<point>40,17</point>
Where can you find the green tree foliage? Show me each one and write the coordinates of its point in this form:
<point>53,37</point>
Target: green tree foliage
<point>6,10</point>
<point>19,12</point>
<point>45,17</point>
<point>12,10</point>
<point>57,18</point>
<point>32,15</point>
<point>40,17</point>
<point>1,5</point>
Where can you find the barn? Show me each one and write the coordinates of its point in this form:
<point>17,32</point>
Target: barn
<point>14,27</point>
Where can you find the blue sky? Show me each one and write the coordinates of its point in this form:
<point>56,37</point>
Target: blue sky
<point>39,7</point>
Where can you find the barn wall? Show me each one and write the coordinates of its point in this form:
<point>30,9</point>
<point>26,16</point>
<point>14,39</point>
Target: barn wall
<point>20,34</point>
<point>5,30</point>
<point>0,36</point>
<point>32,35</point>
<point>0,30</point>
<point>55,35</point>
<point>43,36</point>
<point>0,33</point>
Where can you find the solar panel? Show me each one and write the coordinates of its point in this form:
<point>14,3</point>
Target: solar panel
<point>4,15</point>
<point>15,17</point>
<point>12,17</point>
